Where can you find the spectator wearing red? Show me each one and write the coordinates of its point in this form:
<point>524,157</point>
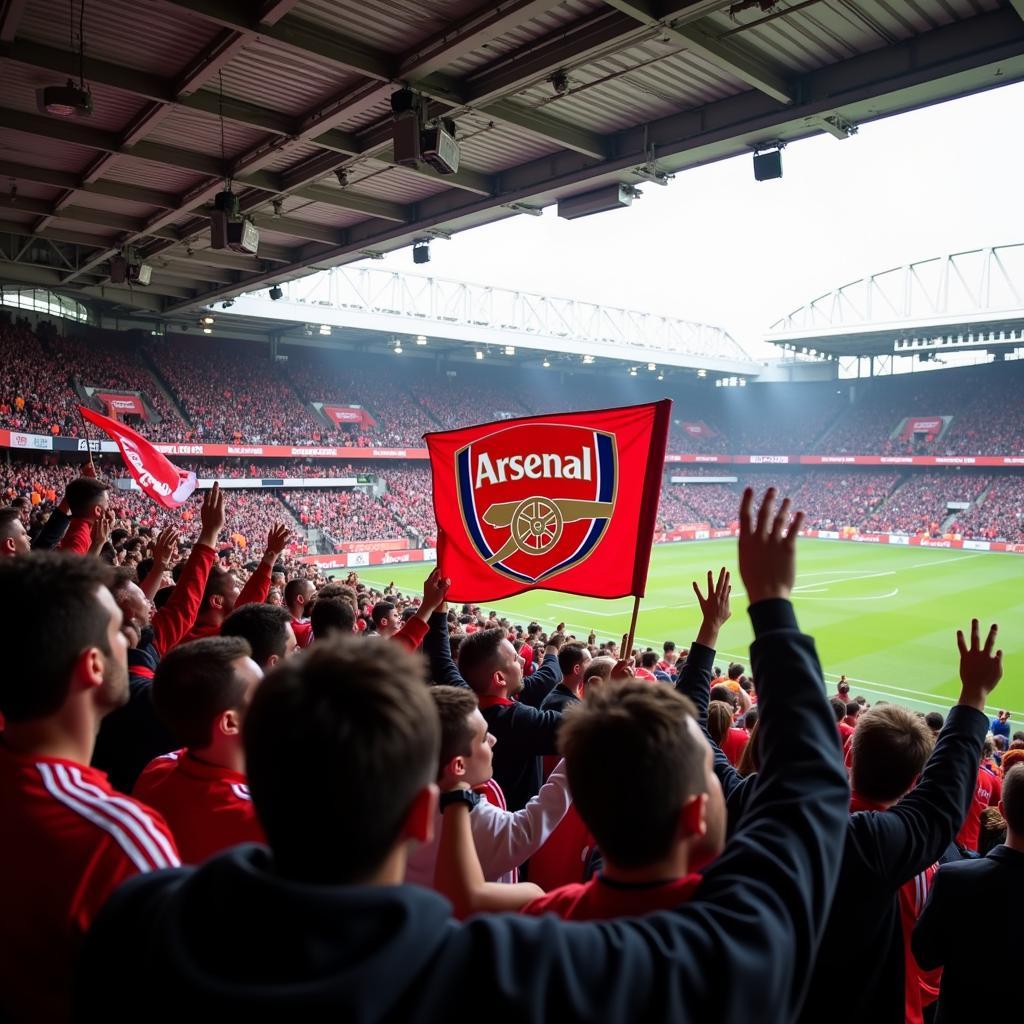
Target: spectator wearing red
<point>988,791</point>
<point>88,500</point>
<point>297,595</point>
<point>71,840</point>
<point>223,594</point>
<point>731,740</point>
<point>266,628</point>
<point>201,693</point>
<point>845,729</point>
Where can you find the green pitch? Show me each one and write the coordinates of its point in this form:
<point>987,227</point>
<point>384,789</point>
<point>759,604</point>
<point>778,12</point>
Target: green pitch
<point>886,617</point>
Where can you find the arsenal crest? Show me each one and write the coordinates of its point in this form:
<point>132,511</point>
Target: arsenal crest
<point>536,498</point>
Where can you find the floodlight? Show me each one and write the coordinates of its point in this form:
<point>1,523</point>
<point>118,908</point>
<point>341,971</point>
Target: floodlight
<point>275,293</point>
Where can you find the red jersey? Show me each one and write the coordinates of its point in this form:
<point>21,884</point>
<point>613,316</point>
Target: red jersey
<point>255,591</point>
<point>70,841</point>
<point>208,808</point>
<point>922,987</point>
<point>303,630</point>
<point>526,653</point>
<point>562,860</point>
<point>845,731</point>
<point>601,899</point>
<point>734,744</point>
<point>987,793</point>
<point>644,673</point>
<point>78,538</point>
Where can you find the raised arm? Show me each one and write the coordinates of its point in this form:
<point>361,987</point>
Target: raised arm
<point>458,875</point>
<point>172,623</point>
<point>913,834</point>
<point>538,685</point>
<point>413,633</point>
<point>164,550</point>
<point>257,586</point>
<point>438,649</point>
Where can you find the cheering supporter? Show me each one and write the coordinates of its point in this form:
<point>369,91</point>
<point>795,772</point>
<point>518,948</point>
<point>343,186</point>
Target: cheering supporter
<point>988,792</point>
<point>266,629</point>
<point>946,935</point>
<point>69,839</point>
<point>132,735</point>
<point>232,394</point>
<point>491,667</point>
<point>732,741</point>
<point>298,593</point>
<point>330,616</point>
<point>201,692</point>
<point>894,832</point>
<point>503,839</point>
<point>342,748</point>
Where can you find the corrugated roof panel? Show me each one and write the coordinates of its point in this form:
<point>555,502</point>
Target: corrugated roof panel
<point>19,147</point>
<point>639,84</point>
<point>383,181</point>
<point>389,25</point>
<point>370,116</point>
<point>200,132</point>
<point>492,149</point>
<point>539,27</point>
<point>112,110</point>
<point>114,32</point>
<point>159,176</point>
<point>111,205</point>
<point>266,73</point>
<point>26,190</point>
<point>319,213</point>
<point>293,155</point>
<point>88,227</point>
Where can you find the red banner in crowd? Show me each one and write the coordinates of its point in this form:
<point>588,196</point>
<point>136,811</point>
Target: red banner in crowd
<point>349,414</point>
<point>697,429</point>
<point>119,405</point>
<point>565,502</point>
<point>158,477</point>
<point>929,425</point>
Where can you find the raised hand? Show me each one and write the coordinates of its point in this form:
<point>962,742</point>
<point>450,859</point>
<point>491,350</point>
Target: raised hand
<point>714,606</point>
<point>165,547</point>
<point>101,528</point>
<point>622,670</point>
<point>980,669</point>
<point>435,587</point>
<point>767,550</point>
<point>212,516</point>
<point>277,538</point>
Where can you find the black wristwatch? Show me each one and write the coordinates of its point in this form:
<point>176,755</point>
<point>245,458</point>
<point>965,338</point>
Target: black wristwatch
<point>460,796</point>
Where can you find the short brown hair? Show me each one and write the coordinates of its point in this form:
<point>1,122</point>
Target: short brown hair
<point>571,655</point>
<point>196,682</point>
<point>889,750</point>
<point>1013,799</point>
<point>621,733</point>
<point>338,742</point>
<point>83,493</point>
<point>479,658</point>
<point>454,706</point>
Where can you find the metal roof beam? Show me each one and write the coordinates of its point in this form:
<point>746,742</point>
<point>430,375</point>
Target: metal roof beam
<point>700,38</point>
<point>910,74</point>
<point>111,189</point>
<point>10,15</point>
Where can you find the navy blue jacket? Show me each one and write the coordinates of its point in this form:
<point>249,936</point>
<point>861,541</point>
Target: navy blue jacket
<point>949,933</point>
<point>239,940</point>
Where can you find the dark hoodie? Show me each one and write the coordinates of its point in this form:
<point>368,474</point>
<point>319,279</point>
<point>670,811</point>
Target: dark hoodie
<point>235,940</point>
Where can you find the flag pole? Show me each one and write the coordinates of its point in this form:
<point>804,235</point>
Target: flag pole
<point>632,628</point>
<point>88,446</point>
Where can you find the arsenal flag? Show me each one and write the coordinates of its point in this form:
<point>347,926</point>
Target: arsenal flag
<point>565,502</point>
<point>158,477</point>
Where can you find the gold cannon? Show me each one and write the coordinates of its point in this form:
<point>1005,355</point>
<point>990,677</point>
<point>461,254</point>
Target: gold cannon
<point>536,523</point>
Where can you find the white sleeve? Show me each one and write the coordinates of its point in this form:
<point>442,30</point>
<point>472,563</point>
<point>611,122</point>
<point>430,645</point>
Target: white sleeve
<point>504,839</point>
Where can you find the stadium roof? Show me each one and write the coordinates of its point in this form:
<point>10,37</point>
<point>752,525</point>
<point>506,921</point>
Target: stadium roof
<point>956,302</point>
<point>550,99</point>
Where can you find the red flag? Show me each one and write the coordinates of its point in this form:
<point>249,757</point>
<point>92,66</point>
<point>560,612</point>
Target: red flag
<point>158,477</point>
<point>564,502</point>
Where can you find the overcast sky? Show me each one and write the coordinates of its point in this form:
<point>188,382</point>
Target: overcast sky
<point>715,245</point>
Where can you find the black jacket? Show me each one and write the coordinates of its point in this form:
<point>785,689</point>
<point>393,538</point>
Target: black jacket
<point>951,935</point>
<point>560,698</point>
<point>238,940</point>
<point>524,734</point>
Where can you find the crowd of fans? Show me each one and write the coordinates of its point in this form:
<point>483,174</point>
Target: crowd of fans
<point>231,392</point>
<point>205,699</point>
<point>1000,516</point>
